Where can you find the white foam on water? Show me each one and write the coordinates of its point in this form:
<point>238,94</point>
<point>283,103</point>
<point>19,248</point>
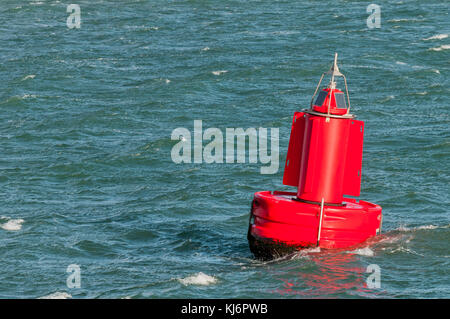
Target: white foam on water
<point>362,252</point>
<point>394,239</point>
<point>387,98</point>
<point>403,228</point>
<point>406,20</point>
<point>311,250</point>
<point>12,224</point>
<point>219,72</point>
<point>205,49</point>
<point>27,96</point>
<point>427,227</point>
<point>406,250</point>
<point>442,47</point>
<point>437,37</point>
<point>304,253</point>
<point>28,77</point>
<point>400,20</point>
<point>57,295</point>
<point>200,279</point>
<point>400,63</point>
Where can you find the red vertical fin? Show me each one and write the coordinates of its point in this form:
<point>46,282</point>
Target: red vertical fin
<point>294,154</point>
<point>353,163</point>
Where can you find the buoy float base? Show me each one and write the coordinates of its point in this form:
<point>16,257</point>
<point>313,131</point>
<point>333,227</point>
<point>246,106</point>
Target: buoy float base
<point>281,224</point>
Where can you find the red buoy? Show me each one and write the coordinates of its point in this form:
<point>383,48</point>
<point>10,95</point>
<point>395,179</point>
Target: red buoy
<point>324,162</point>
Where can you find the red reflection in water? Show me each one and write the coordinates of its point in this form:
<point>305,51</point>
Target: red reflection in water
<point>326,274</point>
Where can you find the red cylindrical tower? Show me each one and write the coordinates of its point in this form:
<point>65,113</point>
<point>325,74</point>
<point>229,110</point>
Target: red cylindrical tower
<point>323,159</point>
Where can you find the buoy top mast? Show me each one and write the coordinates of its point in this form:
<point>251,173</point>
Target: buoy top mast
<point>331,101</point>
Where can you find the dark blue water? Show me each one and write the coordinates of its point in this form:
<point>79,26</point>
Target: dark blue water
<point>86,117</point>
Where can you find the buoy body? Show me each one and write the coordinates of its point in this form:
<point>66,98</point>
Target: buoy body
<point>324,162</point>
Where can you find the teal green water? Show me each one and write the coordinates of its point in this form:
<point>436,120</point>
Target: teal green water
<point>86,117</point>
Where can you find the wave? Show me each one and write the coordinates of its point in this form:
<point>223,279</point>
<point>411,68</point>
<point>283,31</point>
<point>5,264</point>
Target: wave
<point>27,96</point>
<point>310,251</point>
<point>200,279</point>
<point>437,37</point>
<point>362,252</point>
<point>403,228</point>
<point>406,20</point>
<point>219,72</point>
<point>442,47</point>
<point>387,98</point>
<point>28,77</point>
<point>57,295</point>
<point>17,98</point>
<point>12,224</point>
<point>402,249</point>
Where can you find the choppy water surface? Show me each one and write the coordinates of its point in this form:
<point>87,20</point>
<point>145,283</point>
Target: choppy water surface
<point>86,116</point>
